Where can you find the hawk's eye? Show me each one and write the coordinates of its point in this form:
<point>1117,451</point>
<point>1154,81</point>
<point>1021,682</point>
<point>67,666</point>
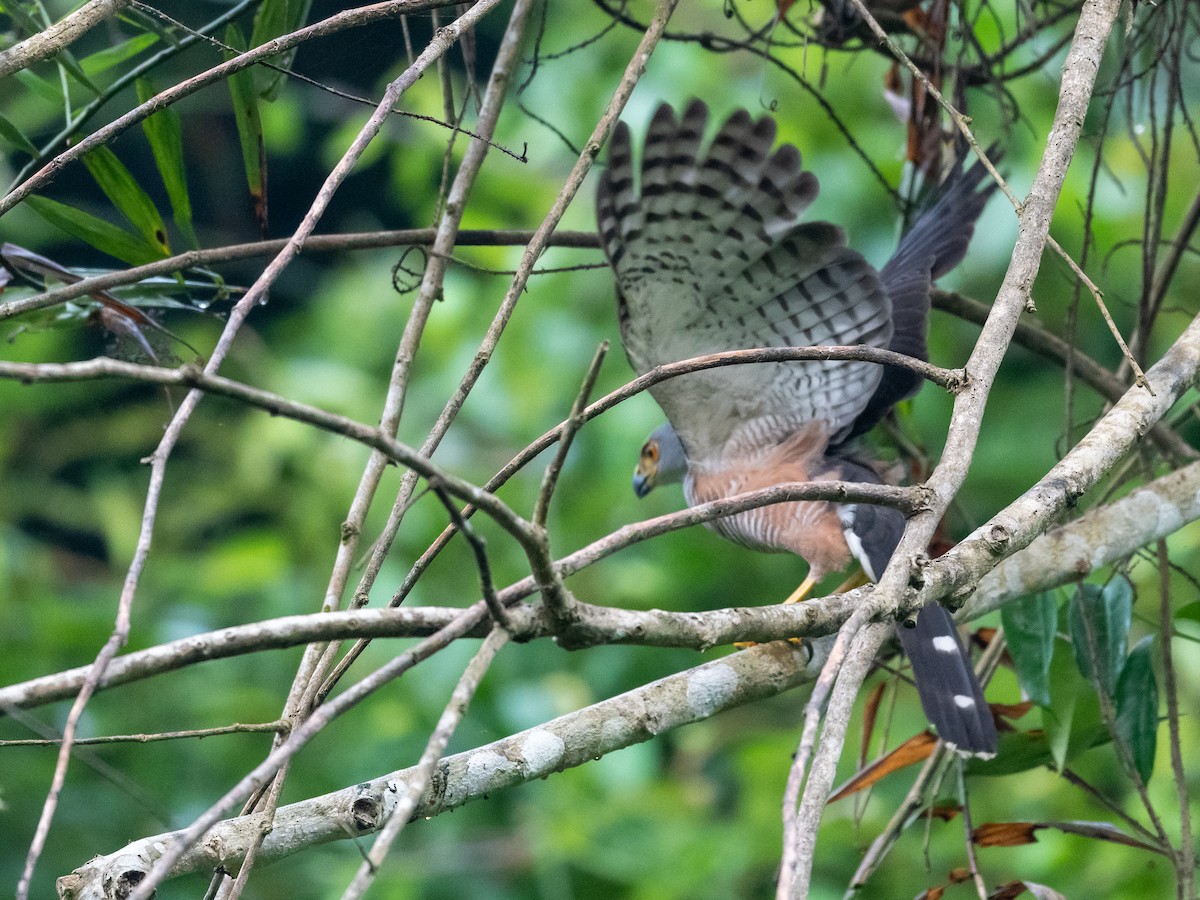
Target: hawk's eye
<point>650,451</point>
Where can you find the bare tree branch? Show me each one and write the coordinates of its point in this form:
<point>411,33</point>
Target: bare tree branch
<point>58,36</point>
<point>563,743</point>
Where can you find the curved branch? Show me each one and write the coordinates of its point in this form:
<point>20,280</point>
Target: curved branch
<point>317,243</point>
<point>1063,555</point>
<point>58,36</point>
<point>1052,347</point>
<point>1112,438</point>
<point>561,744</point>
<point>1098,538</point>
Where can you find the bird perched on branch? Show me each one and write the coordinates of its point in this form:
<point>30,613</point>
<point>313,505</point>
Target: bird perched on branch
<point>708,256</point>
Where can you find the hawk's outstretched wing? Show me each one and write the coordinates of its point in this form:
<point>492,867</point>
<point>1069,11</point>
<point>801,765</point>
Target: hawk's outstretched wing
<point>709,257</point>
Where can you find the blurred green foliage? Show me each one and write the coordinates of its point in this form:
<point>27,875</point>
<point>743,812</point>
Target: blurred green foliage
<point>250,518</point>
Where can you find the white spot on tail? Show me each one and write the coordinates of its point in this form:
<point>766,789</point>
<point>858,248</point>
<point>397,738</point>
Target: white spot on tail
<point>944,643</point>
<point>962,701</point>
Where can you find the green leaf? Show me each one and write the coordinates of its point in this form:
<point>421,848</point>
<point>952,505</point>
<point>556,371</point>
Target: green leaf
<point>16,137</point>
<point>1191,612</point>
<point>1098,619</point>
<point>1029,626</point>
<point>127,196</point>
<point>165,135</point>
<point>1137,707</point>
<point>103,60</point>
<point>46,89</point>
<point>1020,751</point>
<point>274,18</point>
<point>249,127</point>
<point>1072,722</point>
<point>23,20</point>
<point>102,235</point>
<point>67,60</point>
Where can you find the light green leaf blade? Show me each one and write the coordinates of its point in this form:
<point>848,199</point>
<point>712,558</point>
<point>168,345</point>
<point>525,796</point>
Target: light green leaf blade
<point>103,60</point>
<point>249,127</point>
<point>1073,720</point>
<point>13,135</point>
<point>102,235</point>
<point>165,135</point>
<point>1029,626</point>
<point>1098,620</point>
<point>127,196</point>
<point>1137,707</point>
<point>45,88</point>
<point>274,18</point>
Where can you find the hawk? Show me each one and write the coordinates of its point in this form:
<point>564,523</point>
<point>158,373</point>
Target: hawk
<point>708,256</point>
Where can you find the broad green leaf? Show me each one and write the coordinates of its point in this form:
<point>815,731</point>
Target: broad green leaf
<point>1029,626</point>
<point>127,196</point>
<point>1018,751</point>
<point>1098,620</point>
<point>274,18</point>
<point>1072,722</point>
<point>166,143</point>
<point>16,137</point>
<point>1137,707</point>
<point>103,60</point>
<point>1191,612</point>
<point>102,235</point>
<point>249,126</point>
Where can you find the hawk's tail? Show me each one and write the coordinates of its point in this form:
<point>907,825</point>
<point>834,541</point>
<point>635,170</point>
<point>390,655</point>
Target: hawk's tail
<point>950,693</point>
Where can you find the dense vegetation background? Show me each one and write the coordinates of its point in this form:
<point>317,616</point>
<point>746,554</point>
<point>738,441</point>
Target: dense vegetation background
<point>252,508</point>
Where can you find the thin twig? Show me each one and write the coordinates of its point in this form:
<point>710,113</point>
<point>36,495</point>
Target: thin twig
<point>320,673</point>
<point>1108,710</point>
<point>317,243</point>
<point>573,423</point>
<point>352,18</point>
<point>479,548</point>
<point>1050,346</point>
<point>416,785</point>
<point>240,728</point>
<point>968,842</point>
<point>297,739</point>
<point>1183,857</point>
<point>306,689</point>
<point>1114,807</point>
<point>963,123</point>
<point>860,655</point>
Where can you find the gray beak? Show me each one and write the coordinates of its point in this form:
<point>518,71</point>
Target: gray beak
<point>641,484</point>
